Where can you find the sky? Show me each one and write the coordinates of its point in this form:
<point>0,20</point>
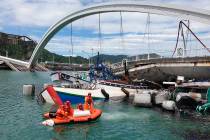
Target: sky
<point>34,17</point>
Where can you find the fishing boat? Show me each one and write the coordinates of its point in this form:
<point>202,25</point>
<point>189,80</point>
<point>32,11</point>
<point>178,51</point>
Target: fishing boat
<point>100,92</point>
<point>101,83</point>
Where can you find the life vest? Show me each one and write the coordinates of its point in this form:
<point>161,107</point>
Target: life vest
<point>88,103</point>
<point>80,107</point>
<point>60,113</point>
<point>88,99</point>
<point>64,111</point>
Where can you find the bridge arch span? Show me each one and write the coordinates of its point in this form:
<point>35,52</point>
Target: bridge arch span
<point>160,9</point>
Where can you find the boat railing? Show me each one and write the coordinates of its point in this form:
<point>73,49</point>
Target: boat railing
<point>122,85</point>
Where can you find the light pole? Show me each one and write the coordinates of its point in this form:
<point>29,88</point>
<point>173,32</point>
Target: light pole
<point>69,57</point>
<point>92,55</point>
<point>88,57</point>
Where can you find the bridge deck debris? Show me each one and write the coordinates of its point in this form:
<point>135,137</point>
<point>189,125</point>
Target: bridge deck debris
<point>15,67</point>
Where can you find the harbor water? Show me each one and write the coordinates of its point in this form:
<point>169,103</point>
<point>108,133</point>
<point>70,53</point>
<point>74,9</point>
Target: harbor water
<point>20,118</point>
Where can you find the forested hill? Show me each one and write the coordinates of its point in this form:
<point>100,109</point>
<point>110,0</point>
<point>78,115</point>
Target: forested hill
<point>48,56</point>
<point>109,58</point>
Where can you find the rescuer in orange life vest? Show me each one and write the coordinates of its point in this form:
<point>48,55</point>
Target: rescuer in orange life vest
<point>64,110</point>
<point>88,102</point>
<point>60,112</point>
<point>67,108</point>
<point>80,107</point>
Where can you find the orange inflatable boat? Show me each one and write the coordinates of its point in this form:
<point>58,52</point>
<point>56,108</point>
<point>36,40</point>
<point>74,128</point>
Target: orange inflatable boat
<point>66,114</point>
<point>73,116</point>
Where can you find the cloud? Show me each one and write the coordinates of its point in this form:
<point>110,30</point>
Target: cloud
<point>38,15</point>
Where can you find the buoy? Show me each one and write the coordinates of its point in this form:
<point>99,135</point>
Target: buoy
<point>180,95</point>
<point>146,92</point>
<point>162,96</point>
<point>48,122</point>
<point>195,96</point>
<point>169,105</point>
<point>125,91</point>
<point>28,90</point>
<point>142,99</point>
<point>106,95</point>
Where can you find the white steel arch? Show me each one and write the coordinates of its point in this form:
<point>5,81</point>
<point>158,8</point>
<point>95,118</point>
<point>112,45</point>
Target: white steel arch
<point>125,6</point>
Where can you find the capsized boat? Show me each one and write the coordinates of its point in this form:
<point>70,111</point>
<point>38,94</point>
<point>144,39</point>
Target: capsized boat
<point>75,95</point>
<point>100,92</point>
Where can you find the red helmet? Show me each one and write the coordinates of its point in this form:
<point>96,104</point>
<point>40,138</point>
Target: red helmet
<point>62,106</point>
<point>68,102</point>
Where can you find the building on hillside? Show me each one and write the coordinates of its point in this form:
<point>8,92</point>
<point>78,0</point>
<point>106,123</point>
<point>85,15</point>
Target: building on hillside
<point>10,42</point>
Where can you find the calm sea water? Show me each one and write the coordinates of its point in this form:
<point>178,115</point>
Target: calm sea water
<point>20,118</point>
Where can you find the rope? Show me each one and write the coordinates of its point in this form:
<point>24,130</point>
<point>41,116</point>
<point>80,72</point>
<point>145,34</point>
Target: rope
<point>99,31</point>
<point>187,33</point>
<point>183,40</point>
<point>148,37</point>
<point>147,30</point>
<point>180,26</point>
<point>177,39</point>
<point>121,30</point>
<point>72,45</point>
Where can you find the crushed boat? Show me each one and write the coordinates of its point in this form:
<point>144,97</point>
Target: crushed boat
<point>77,90</point>
<point>190,95</point>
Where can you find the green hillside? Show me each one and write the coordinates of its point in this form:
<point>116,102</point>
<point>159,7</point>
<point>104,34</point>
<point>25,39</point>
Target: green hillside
<point>48,56</point>
<point>24,53</point>
<point>16,51</point>
<point>109,58</point>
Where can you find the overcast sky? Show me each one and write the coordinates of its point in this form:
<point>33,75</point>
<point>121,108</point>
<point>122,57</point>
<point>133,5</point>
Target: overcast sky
<point>34,17</point>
